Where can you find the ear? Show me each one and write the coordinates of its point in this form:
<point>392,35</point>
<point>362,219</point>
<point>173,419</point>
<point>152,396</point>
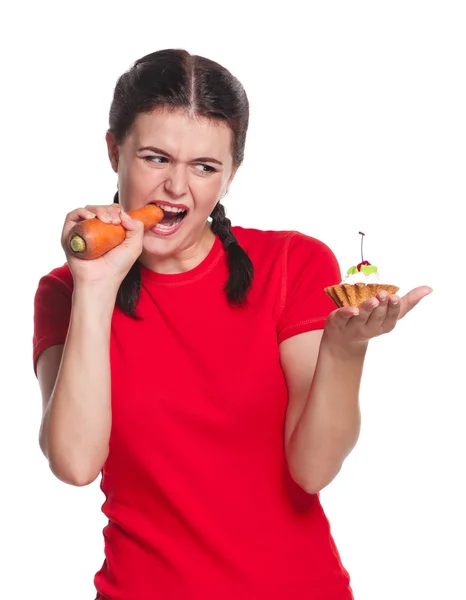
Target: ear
<point>113,153</point>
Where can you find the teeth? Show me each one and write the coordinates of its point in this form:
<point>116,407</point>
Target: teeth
<point>171,209</point>
<point>167,227</point>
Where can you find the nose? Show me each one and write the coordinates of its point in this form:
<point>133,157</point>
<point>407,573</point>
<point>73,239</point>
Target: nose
<point>176,183</point>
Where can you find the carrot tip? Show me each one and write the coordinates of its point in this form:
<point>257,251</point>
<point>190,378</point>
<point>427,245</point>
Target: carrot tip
<point>77,244</point>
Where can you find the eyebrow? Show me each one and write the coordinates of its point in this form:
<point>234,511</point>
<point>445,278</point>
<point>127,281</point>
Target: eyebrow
<point>164,153</point>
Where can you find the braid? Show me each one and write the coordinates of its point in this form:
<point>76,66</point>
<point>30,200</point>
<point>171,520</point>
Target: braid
<point>129,291</point>
<point>130,288</point>
<point>240,266</point>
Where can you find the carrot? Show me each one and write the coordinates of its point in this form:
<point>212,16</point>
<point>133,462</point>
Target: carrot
<point>92,238</point>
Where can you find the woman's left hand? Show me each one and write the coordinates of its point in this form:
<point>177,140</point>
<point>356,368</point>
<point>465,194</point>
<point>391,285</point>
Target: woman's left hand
<point>354,325</point>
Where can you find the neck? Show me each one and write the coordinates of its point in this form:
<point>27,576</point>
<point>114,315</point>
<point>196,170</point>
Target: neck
<point>185,260</point>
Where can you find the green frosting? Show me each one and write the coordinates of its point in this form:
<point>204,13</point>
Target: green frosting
<point>366,269</point>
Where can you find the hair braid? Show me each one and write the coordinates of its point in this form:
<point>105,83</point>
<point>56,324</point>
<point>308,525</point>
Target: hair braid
<point>130,288</point>
<point>240,267</point>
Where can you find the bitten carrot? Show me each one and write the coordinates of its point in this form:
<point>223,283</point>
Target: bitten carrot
<point>92,238</point>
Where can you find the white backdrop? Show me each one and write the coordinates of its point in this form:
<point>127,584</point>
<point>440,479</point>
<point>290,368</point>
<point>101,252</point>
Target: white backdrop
<point>357,123</point>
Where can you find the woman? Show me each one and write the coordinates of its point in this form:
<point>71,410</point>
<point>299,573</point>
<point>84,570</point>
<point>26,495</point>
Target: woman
<point>201,368</point>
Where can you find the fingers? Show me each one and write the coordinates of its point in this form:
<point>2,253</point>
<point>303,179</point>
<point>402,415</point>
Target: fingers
<point>392,315</point>
<point>371,309</point>
<point>339,318</point>
<point>79,214</point>
<point>107,214</point>
<point>371,318</point>
<point>384,314</point>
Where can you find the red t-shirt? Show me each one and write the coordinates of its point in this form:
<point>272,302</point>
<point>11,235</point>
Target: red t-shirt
<point>198,496</point>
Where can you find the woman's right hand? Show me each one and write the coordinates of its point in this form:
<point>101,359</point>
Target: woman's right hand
<point>112,267</point>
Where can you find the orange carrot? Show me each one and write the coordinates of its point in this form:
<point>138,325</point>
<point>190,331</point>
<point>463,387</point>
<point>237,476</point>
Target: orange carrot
<point>92,238</point>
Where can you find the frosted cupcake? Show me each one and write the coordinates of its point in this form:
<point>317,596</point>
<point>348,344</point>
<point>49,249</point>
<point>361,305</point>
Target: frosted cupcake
<point>362,281</point>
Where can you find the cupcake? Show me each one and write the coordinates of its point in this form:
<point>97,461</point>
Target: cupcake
<point>361,282</point>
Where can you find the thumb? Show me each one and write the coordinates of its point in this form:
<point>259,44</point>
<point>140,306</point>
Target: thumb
<point>412,298</point>
<point>134,227</point>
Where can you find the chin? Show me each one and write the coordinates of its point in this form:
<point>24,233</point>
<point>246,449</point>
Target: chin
<point>158,246</point>
<point>166,244</point>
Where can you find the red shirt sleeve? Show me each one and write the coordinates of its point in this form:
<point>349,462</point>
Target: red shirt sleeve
<point>52,308</point>
<point>309,267</point>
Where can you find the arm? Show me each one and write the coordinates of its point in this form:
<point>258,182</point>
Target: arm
<point>323,418</point>
<point>75,385</point>
<point>75,377</point>
<point>323,374</point>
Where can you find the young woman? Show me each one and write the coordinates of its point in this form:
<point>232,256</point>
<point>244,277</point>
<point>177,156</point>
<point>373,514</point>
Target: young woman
<point>200,367</point>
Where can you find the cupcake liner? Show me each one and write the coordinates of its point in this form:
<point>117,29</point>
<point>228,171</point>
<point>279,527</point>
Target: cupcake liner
<point>346,294</point>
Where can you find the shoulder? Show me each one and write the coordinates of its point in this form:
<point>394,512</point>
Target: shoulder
<point>59,279</point>
<point>291,244</point>
<point>52,309</point>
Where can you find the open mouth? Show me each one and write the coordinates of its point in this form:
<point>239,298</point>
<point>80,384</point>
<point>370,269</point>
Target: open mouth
<point>172,217</point>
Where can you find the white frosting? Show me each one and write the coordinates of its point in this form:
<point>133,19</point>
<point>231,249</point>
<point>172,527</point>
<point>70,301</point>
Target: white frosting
<point>361,278</point>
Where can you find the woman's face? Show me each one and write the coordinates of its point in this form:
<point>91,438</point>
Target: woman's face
<point>178,162</point>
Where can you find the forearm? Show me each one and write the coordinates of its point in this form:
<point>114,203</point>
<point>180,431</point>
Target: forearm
<point>329,425</point>
<point>76,426</point>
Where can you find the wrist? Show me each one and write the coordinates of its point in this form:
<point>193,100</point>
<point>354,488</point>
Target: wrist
<point>343,350</point>
<point>95,297</point>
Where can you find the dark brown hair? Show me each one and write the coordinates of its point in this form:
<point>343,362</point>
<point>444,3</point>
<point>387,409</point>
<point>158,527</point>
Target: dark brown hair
<point>177,80</point>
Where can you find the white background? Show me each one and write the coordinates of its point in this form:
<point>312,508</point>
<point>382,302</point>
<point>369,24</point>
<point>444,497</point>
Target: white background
<point>357,123</point>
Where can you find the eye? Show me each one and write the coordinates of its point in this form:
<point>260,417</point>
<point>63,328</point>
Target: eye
<point>158,160</point>
<point>205,169</point>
